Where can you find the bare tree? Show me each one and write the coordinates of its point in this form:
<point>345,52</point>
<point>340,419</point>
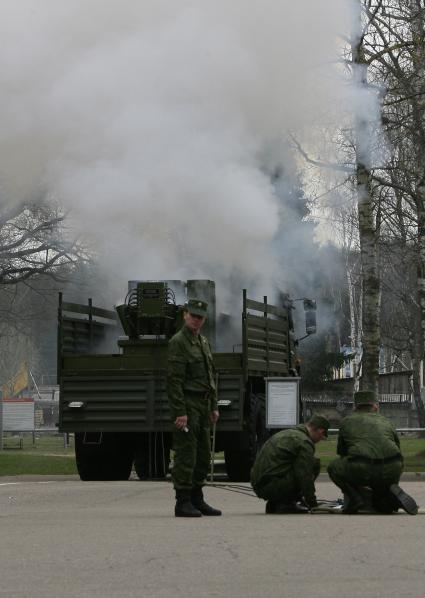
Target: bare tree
<point>33,241</point>
<point>37,255</point>
<point>395,54</point>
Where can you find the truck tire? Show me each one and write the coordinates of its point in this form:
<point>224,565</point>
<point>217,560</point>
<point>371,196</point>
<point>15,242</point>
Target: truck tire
<point>237,465</point>
<point>105,456</point>
<point>239,462</point>
<point>152,456</point>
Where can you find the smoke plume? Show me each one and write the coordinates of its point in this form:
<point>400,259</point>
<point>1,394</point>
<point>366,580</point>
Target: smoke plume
<point>160,125</point>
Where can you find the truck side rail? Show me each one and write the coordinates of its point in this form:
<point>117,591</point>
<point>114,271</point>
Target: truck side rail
<point>265,339</point>
<point>81,328</point>
<point>89,310</point>
<point>109,393</point>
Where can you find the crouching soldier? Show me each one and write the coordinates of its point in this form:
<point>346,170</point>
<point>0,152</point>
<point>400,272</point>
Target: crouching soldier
<point>285,469</point>
<point>370,457</point>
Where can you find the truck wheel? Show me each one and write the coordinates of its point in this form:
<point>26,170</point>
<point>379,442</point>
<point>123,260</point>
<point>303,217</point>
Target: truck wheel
<point>258,433</point>
<point>237,465</point>
<point>239,462</point>
<point>123,455</point>
<point>152,456</point>
<point>103,456</point>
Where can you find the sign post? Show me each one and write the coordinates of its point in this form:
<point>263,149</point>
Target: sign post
<point>282,402</point>
<point>1,420</point>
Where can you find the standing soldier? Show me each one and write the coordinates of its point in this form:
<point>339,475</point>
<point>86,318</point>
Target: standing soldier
<point>192,395</point>
<point>370,456</point>
<point>285,469</point>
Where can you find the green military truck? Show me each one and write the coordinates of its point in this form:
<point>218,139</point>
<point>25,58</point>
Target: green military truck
<point>116,403</point>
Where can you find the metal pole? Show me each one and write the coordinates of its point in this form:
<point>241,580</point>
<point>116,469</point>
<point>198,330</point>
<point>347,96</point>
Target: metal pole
<point>213,432</point>
<point>35,385</point>
<point>212,454</point>
<point>397,430</point>
<point>1,420</point>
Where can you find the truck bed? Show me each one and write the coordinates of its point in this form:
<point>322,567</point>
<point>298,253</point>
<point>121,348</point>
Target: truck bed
<point>127,393</point>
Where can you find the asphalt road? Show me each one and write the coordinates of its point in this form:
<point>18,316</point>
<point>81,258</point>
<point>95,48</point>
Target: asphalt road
<point>66,538</point>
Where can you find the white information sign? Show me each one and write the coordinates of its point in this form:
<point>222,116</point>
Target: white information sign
<point>282,402</point>
<point>18,415</point>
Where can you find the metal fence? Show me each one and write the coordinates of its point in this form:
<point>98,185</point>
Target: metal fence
<point>398,407</point>
<point>46,440</point>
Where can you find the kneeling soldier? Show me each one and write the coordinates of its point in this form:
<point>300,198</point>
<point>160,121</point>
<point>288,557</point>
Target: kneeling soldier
<point>370,456</point>
<point>285,469</point>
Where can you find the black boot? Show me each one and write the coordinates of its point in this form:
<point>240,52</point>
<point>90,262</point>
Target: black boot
<point>403,500</point>
<point>385,502</point>
<point>271,507</point>
<point>197,498</point>
<point>184,506</point>
<point>353,500</point>
<point>293,508</point>
<point>367,495</point>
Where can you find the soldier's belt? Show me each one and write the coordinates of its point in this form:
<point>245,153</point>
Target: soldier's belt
<point>361,459</point>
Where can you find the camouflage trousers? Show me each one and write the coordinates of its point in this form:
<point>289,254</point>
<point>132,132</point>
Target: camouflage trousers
<point>285,489</point>
<point>378,477</point>
<point>192,451</point>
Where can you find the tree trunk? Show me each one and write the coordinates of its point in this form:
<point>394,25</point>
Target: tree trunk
<point>416,11</point>
<point>371,295</point>
<point>355,326</point>
<point>417,352</point>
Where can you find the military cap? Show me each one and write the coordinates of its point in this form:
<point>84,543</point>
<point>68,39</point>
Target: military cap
<point>319,421</point>
<point>197,307</point>
<point>365,397</point>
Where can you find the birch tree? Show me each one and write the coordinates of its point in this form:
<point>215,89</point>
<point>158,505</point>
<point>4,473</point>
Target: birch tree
<point>368,225</point>
<point>395,54</point>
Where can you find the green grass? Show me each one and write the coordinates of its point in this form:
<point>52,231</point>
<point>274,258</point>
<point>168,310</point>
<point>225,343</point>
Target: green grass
<point>25,464</point>
<point>413,450</point>
<point>46,456</point>
<point>49,456</point>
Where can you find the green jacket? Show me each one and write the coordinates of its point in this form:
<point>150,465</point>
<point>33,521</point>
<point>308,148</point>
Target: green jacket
<point>289,451</point>
<point>190,370</point>
<point>368,435</point>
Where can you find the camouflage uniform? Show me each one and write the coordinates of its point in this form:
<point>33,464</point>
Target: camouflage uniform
<point>286,468</point>
<point>369,450</point>
<point>192,392</point>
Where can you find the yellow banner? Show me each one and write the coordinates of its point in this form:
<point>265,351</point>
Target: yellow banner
<point>18,383</point>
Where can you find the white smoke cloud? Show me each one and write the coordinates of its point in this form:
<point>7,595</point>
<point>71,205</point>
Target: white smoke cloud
<point>150,121</point>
